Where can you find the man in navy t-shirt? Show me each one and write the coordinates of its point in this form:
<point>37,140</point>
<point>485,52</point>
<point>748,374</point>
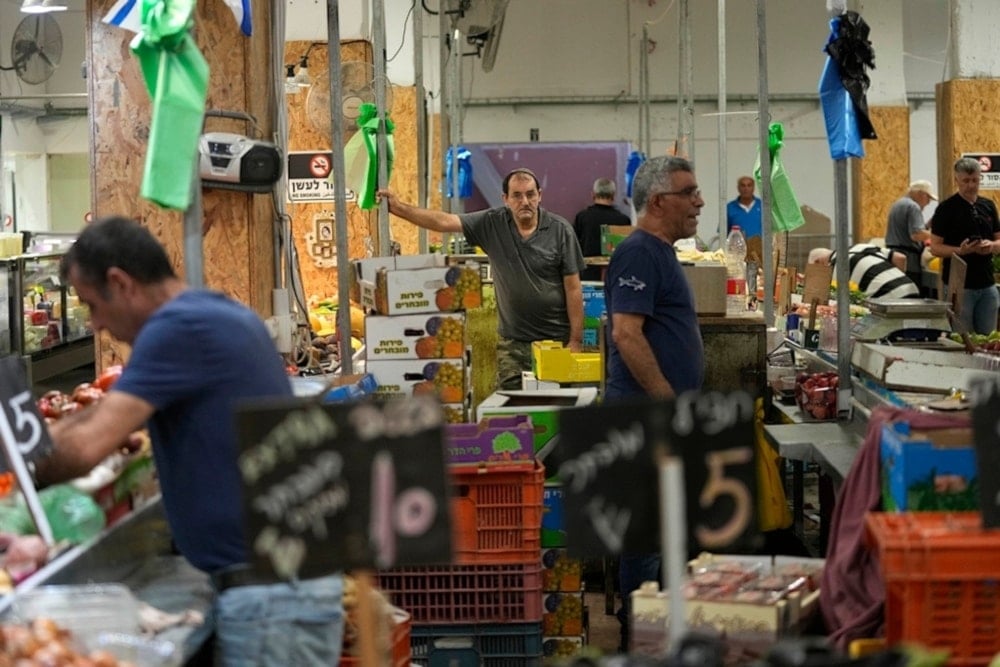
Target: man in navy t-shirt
<point>655,347</point>
<point>195,355</point>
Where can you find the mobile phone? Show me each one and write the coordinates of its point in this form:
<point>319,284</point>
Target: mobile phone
<point>974,238</point>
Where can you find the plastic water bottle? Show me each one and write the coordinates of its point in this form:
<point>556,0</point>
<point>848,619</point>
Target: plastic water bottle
<point>736,282</point>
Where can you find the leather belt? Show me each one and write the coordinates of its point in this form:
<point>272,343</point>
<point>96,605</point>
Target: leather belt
<point>234,577</point>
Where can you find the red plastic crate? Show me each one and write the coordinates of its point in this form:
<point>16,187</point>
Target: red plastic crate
<point>942,578</point>
<point>496,513</point>
<point>400,644</point>
<point>466,593</point>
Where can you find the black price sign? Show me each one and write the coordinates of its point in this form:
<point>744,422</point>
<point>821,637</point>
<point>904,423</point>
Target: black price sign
<point>985,396</point>
<point>21,425</point>
<point>608,463</point>
<point>333,487</point>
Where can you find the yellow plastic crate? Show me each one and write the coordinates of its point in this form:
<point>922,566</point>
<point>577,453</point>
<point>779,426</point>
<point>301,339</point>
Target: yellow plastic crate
<point>554,362</point>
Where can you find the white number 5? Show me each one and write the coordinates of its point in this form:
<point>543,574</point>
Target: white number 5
<point>24,420</point>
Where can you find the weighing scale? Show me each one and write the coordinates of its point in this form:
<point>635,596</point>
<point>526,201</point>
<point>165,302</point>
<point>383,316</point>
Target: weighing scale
<point>903,320</point>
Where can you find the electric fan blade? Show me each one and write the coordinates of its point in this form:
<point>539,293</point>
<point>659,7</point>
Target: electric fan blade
<point>41,54</point>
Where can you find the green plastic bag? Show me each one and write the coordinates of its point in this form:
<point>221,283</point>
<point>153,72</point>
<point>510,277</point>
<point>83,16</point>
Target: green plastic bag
<point>73,515</point>
<point>361,155</point>
<point>786,215</point>
<point>176,76</point>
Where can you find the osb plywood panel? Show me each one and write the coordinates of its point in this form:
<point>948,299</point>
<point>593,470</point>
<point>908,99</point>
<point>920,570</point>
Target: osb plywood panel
<point>966,123</point>
<point>237,248</point>
<point>308,129</point>
<point>883,175</point>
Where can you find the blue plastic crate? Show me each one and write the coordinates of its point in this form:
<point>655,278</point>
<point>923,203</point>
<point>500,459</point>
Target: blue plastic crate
<point>497,645</point>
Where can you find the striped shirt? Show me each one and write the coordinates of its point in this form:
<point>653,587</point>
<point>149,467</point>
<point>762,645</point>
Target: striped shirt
<point>876,275</point>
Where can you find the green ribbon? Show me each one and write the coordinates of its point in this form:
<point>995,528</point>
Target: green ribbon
<point>176,75</point>
<point>361,155</point>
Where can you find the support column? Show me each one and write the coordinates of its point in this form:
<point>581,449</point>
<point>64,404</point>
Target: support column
<point>883,175</point>
<point>966,113</point>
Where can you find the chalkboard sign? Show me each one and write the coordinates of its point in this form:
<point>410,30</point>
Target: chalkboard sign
<point>608,462</point>
<point>22,427</point>
<point>985,396</point>
<point>339,486</point>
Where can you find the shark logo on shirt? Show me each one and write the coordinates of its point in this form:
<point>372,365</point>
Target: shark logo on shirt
<point>633,282</point>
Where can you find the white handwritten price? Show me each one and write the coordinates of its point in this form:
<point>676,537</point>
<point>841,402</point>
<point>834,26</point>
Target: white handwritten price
<point>409,513</point>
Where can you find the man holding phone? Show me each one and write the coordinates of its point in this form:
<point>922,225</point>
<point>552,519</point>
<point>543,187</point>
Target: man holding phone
<point>967,225</point>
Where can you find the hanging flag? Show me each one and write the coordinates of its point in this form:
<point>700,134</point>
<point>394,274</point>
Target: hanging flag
<point>125,14</point>
<point>241,10</point>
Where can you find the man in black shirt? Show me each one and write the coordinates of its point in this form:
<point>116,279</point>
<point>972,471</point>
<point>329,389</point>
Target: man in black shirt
<point>967,225</point>
<point>588,223</point>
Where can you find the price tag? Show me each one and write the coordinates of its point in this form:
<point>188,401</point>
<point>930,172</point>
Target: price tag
<point>21,425</point>
<point>607,461</point>
<point>340,486</point>
<point>985,397</point>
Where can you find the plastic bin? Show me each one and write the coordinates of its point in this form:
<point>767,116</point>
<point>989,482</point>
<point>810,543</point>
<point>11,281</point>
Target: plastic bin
<point>87,611</point>
<point>466,593</point>
<point>509,645</point>
<point>144,651</point>
<point>942,579</point>
<point>496,513</point>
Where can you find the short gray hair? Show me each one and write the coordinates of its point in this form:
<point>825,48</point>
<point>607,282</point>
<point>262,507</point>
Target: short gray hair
<point>604,188</point>
<point>967,165</point>
<point>654,176</point>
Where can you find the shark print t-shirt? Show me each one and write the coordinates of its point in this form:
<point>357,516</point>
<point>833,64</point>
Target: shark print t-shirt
<point>645,278</point>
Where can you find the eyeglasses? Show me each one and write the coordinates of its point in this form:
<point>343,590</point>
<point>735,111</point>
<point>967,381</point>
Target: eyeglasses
<point>691,193</point>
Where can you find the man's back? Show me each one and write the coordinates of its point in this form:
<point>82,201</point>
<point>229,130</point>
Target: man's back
<point>587,226</point>
<point>876,276</point>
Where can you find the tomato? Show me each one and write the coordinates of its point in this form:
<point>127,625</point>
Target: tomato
<point>107,378</point>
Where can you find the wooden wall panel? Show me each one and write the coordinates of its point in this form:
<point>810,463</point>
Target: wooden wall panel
<point>306,133</point>
<point>883,176</point>
<point>966,123</point>
<point>237,227</point>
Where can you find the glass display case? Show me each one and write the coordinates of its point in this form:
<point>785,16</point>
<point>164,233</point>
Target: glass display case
<point>42,320</point>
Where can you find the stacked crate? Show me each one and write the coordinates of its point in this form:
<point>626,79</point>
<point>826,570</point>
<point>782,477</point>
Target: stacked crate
<point>415,339</point>
<point>486,608</point>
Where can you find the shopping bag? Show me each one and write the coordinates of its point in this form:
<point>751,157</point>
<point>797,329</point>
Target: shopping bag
<point>361,155</point>
<point>772,505</point>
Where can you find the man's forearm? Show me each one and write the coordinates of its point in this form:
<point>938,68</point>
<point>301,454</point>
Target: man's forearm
<point>435,221</point>
<point>574,312</point>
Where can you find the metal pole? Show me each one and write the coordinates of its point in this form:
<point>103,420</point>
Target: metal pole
<point>721,122</point>
<point>444,111</point>
<point>843,285</point>
<point>378,39</point>
<point>644,125</point>
<point>339,195</point>
<point>688,81</point>
<point>682,15</point>
<point>763,122</point>
<point>455,118</point>
<point>418,84</point>
<point>194,271</point>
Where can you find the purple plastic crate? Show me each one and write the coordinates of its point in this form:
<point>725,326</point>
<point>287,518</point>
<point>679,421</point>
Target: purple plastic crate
<point>500,439</point>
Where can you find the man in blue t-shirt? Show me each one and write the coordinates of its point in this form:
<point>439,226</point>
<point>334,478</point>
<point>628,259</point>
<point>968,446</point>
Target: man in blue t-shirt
<point>655,347</point>
<point>744,211</point>
<point>195,355</point>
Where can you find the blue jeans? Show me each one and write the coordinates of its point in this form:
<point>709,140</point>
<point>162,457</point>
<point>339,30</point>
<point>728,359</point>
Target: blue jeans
<point>300,623</point>
<point>979,309</point>
<point>633,569</point>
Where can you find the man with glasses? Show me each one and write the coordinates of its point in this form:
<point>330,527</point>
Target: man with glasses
<point>655,347</point>
<point>966,225</point>
<point>536,262</point>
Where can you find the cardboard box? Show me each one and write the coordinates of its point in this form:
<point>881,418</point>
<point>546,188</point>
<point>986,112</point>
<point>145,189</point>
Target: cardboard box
<point>928,470</point>
<point>406,284</point>
<point>531,383</point>
<point>593,304</point>
<point>415,336</point>
<point>553,521</point>
<point>708,286</point>
<point>562,613</point>
<point>497,439</point>
<point>552,361</point>
<point>398,378</point>
<point>542,406</point>
<point>560,573</point>
<point>918,369</point>
<point>612,235</point>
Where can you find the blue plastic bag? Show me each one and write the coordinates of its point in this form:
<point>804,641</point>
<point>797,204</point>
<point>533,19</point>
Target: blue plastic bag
<point>839,115</point>
<point>635,160</point>
<point>464,172</point>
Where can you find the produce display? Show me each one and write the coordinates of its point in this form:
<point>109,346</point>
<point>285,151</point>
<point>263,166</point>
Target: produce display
<point>984,342</point>
<point>816,394</point>
<point>44,643</point>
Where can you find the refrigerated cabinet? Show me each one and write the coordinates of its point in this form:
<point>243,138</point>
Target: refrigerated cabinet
<point>41,319</point>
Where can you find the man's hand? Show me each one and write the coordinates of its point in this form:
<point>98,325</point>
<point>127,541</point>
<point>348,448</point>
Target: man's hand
<point>389,197</point>
<point>575,346</point>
